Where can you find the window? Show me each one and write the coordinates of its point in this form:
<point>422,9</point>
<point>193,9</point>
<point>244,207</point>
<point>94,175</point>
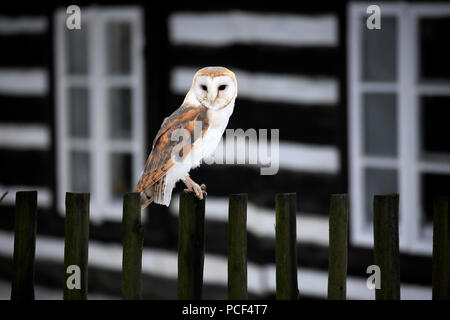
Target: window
<point>399,99</point>
<point>99,106</point>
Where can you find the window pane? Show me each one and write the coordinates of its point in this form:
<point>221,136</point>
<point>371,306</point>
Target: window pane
<point>434,48</point>
<point>78,112</point>
<point>435,115</point>
<point>118,37</point>
<point>378,181</point>
<point>77,49</point>
<point>80,171</point>
<point>380,124</point>
<point>432,185</point>
<point>120,113</point>
<point>120,174</point>
<point>380,50</point>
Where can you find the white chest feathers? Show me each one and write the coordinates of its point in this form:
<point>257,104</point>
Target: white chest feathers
<point>207,144</point>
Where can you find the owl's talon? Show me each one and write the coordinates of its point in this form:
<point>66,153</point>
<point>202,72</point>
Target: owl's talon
<point>199,190</point>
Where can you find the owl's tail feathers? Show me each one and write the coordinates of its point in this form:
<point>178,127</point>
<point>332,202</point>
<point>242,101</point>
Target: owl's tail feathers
<point>156,193</point>
<point>146,199</point>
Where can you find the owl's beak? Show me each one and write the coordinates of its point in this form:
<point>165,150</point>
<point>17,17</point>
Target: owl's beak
<point>212,95</point>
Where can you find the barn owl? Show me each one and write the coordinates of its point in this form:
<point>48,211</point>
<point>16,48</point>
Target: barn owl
<point>208,106</point>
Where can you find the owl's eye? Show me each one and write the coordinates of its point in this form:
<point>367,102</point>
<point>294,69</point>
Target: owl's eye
<point>222,87</point>
<point>204,87</point>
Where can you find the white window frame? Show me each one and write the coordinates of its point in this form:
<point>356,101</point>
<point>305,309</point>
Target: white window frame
<point>408,90</point>
<point>102,207</point>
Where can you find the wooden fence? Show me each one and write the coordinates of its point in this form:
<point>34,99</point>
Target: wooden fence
<point>191,246</point>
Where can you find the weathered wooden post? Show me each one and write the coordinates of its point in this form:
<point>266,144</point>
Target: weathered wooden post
<point>386,246</point>
<point>441,249</point>
<point>338,247</point>
<point>191,246</point>
<point>76,246</point>
<point>24,246</point>
<point>132,240</point>
<point>286,246</point>
<point>237,247</point>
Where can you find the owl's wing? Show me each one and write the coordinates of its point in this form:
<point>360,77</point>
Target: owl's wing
<point>160,159</point>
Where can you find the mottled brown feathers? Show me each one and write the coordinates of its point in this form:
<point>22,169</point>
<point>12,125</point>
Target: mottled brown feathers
<point>216,72</point>
<point>160,159</point>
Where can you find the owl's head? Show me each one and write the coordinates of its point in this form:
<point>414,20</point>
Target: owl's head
<point>214,87</point>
